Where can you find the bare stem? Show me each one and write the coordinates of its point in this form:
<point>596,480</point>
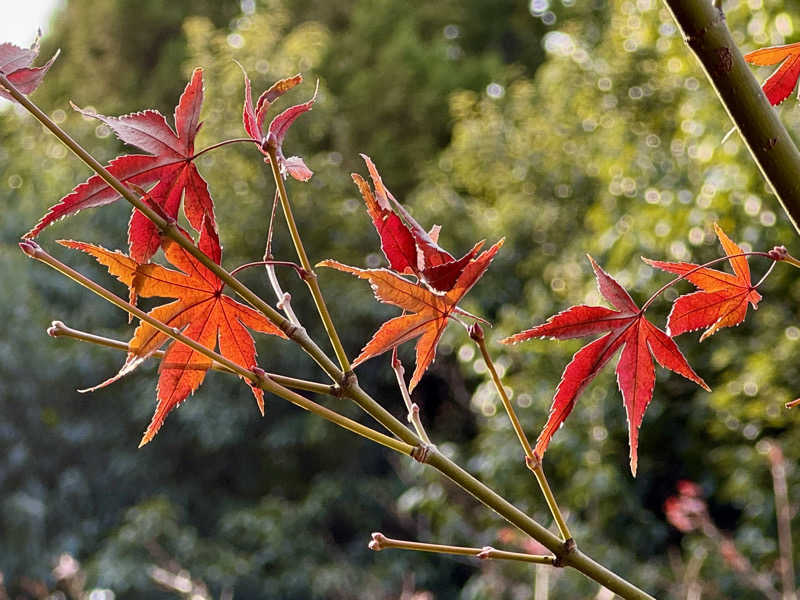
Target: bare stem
<point>284,298</point>
<point>536,467</point>
<point>257,376</point>
<point>311,279</point>
<point>270,263</point>
<point>532,461</point>
<point>220,145</point>
<point>381,542</point>
<point>59,329</point>
<point>412,407</point>
<point>476,333</point>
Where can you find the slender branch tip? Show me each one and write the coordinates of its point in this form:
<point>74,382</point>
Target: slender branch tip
<point>56,329</point>
<point>377,542</point>
<point>476,332</point>
<point>31,248</point>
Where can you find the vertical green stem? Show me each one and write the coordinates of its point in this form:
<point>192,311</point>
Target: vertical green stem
<point>536,466</point>
<point>533,462</point>
<point>311,278</point>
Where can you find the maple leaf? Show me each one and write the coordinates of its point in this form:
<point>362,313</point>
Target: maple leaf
<point>201,310</point>
<point>15,64</point>
<point>406,245</point>
<point>625,328</point>
<point>429,311</point>
<point>780,84</point>
<point>723,299</point>
<point>253,119</point>
<point>169,166</point>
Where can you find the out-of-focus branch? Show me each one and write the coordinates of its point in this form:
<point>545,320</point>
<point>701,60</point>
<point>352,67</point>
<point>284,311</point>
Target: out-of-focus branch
<point>784,517</point>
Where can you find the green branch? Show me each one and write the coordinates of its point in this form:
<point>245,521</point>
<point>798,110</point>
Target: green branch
<point>705,31</point>
<point>381,542</point>
<point>59,329</point>
<point>310,277</point>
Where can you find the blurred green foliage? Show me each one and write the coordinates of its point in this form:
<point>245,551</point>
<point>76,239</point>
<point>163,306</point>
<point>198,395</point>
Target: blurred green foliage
<point>569,128</point>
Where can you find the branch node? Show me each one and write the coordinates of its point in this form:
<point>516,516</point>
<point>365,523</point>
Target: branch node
<point>349,379</point>
<point>533,462</point>
<point>291,330</point>
<point>567,548</point>
<point>485,553</point>
<point>413,413</point>
<point>421,452</point>
<point>285,301</point>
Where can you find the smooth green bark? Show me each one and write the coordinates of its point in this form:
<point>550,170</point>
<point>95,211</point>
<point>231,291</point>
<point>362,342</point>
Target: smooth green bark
<point>706,33</point>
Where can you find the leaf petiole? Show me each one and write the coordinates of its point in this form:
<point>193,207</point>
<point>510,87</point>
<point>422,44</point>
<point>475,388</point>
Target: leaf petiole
<point>666,286</point>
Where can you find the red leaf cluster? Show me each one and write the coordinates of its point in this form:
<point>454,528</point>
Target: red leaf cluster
<point>624,328</point>
<point>253,119</point>
<point>169,168</point>
<point>15,64</point>
<point>442,281</point>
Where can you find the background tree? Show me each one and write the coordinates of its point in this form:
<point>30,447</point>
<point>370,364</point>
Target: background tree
<point>569,128</point>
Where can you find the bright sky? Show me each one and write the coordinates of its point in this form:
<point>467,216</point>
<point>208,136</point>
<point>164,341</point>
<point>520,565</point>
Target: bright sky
<point>22,18</point>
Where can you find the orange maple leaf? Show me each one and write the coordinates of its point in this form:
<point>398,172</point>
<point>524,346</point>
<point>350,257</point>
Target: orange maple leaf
<point>781,83</point>
<point>429,311</point>
<point>722,301</point>
<point>201,310</point>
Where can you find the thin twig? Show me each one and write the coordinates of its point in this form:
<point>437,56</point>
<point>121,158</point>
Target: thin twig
<point>533,462</point>
<point>311,280</point>
<point>59,329</point>
<point>284,298</point>
<point>411,407</point>
<point>381,542</point>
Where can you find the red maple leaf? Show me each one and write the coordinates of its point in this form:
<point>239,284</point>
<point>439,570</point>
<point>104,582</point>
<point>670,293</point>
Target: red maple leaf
<point>15,64</point>
<point>406,245</point>
<point>253,119</point>
<point>626,328</point>
<point>781,83</point>
<point>169,166</point>
<point>201,311</point>
<point>429,311</point>
<point>723,299</point>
